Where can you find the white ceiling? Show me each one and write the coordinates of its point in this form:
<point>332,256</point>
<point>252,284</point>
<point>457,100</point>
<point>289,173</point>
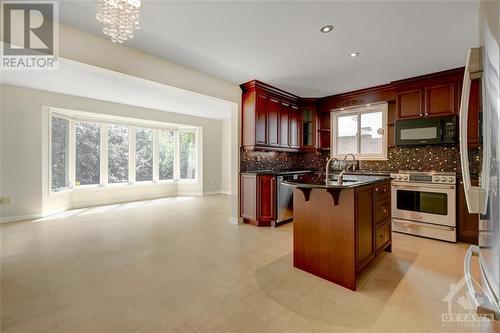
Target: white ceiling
<point>279,42</point>
<point>77,79</point>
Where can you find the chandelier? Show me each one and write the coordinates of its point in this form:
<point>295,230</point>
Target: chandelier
<point>120,18</point>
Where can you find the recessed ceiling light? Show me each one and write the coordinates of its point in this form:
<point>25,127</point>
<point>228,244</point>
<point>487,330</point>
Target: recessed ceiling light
<point>354,54</point>
<point>326,29</point>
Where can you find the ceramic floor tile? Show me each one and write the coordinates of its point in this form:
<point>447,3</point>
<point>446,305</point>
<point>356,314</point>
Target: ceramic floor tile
<point>177,265</point>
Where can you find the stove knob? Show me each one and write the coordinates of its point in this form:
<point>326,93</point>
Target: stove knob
<point>451,179</point>
<point>399,177</point>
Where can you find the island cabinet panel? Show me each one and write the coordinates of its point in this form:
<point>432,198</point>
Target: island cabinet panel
<point>324,234</point>
<point>383,235</point>
<point>364,225</point>
<point>335,239</point>
<point>257,199</point>
<point>382,211</point>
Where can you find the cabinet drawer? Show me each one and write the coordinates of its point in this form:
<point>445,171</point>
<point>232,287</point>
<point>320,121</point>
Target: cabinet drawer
<point>382,191</point>
<point>383,235</point>
<point>382,211</point>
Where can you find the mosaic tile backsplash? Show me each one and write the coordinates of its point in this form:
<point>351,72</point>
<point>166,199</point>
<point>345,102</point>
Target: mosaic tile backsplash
<point>438,158</point>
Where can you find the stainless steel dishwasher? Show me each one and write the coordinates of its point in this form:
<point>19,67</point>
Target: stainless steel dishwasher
<point>284,198</point>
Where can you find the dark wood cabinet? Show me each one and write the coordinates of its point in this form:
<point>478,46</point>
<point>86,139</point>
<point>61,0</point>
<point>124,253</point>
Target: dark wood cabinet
<point>294,128</point>
<point>373,223</point>
<point>261,120</point>
<point>270,118</point>
<point>440,100</point>
<point>410,104</point>
<point>335,234</point>
<point>364,225</point>
<point>284,124</point>
<point>257,199</point>
<point>273,111</point>
<point>467,224</point>
<point>432,95</point>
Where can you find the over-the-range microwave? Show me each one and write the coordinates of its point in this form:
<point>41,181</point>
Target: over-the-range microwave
<point>426,131</point>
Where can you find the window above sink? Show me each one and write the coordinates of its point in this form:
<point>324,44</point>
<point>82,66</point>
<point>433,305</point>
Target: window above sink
<point>361,131</point>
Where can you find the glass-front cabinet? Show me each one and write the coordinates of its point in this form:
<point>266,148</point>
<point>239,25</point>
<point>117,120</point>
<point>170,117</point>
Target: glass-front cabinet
<point>309,125</point>
<point>308,128</point>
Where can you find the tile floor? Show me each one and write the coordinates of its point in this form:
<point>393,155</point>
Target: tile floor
<point>177,265</point>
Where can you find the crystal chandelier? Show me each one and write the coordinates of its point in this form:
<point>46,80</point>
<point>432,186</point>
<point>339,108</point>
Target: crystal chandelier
<point>120,18</point>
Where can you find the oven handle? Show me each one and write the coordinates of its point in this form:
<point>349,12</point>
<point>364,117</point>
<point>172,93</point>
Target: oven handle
<point>431,186</point>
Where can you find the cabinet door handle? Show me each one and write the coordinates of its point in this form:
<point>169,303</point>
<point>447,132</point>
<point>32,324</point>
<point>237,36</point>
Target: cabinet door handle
<point>426,114</point>
<point>421,114</point>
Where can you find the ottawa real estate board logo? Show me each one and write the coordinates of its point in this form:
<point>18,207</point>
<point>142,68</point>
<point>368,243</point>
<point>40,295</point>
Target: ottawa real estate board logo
<point>29,35</point>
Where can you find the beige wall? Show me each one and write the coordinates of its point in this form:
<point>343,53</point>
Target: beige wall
<point>95,50</point>
<point>24,163</point>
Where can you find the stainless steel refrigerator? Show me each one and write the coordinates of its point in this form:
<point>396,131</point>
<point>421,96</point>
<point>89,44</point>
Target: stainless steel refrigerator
<point>483,64</point>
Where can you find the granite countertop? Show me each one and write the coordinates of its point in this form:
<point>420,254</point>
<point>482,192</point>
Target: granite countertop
<point>350,181</point>
<point>274,172</point>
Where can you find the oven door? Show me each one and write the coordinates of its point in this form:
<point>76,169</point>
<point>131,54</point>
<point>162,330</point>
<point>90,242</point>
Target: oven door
<point>431,203</point>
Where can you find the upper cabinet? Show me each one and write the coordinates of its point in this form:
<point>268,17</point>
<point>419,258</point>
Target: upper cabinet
<point>309,126</point>
<point>275,120</point>
<point>431,95</point>
<point>410,103</point>
<point>270,118</point>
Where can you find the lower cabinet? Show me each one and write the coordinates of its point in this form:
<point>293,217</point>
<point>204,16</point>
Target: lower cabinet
<point>373,223</point>
<point>364,224</point>
<point>257,205</point>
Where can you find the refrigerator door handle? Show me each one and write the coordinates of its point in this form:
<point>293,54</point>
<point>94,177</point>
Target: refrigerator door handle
<point>473,250</point>
<point>485,308</point>
<point>475,196</point>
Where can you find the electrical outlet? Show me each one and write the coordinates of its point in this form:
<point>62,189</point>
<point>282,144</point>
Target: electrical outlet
<point>4,200</point>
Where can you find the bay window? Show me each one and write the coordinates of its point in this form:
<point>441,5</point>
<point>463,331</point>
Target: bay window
<point>118,147</point>
<point>143,154</point>
<point>187,154</point>
<point>97,153</point>
<point>87,153</point>
<point>167,142</point>
<point>59,153</point>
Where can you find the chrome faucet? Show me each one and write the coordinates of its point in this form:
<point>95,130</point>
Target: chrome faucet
<point>353,159</point>
<point>328,169</point>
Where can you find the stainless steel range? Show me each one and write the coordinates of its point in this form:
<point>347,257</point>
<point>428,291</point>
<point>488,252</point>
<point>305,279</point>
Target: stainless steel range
<point>423,204</point>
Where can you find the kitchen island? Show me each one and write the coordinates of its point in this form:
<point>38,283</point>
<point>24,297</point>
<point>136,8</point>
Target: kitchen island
<point>340,226</point>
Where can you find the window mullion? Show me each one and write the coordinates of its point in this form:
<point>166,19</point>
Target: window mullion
<point>103,175</point>
<point>72,153</point>
<point>131,154</point>
<point>359,135</point>
<point>176,155</point>
<point>156,155</point>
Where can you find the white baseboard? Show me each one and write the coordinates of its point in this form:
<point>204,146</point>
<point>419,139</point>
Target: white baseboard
<point>217,192</point>
<point>20,218</point>
<point>235,220</point>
